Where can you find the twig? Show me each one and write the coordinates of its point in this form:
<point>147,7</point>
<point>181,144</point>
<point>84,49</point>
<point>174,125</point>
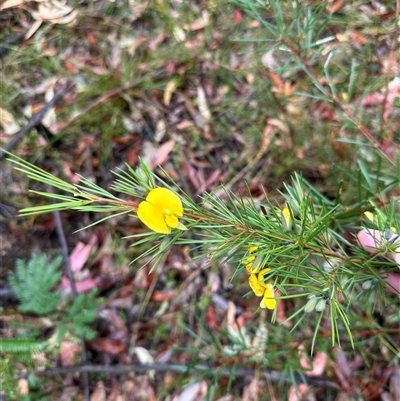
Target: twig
<point>74,292</point>
<point>271,375</point>
<point>35,120</point>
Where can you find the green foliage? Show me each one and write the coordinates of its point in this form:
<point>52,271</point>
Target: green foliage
<point>305,257</point>
<point>17,346</point>
<point>329,284</point>
<point>80,314</point>
<point>33,283</point>
<point>8,382</point>
<point>13,351</point>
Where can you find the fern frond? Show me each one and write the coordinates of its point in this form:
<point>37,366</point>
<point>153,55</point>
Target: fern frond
<point>17,346</point>
<point>33,284</point>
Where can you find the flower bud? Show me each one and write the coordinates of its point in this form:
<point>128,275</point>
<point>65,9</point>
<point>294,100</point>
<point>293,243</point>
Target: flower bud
<point>286,220</point>
<point>366,285</point>
<point>311,303</point>
<point>320,305</point>
<point>141,191</point>
<point>141,175</point>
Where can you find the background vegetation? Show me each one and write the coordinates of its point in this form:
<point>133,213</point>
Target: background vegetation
<point>242,93</point>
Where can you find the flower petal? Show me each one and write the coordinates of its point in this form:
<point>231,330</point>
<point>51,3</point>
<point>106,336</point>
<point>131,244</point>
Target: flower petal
<point>261,275</point>
<point>248,267</point>
<point>152,218</point>
<point>255,285</point>
<point>171,220</point>
<point>268,301</point>
<point>286,220</point>
<point>252,249</point>
<point>163,198</point>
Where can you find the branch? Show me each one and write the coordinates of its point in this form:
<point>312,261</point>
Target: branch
<point>74,292</point>
<point>273,376</point>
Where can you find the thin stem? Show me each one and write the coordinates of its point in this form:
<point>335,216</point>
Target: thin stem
<point>272,375</point>
<point>74,292</point>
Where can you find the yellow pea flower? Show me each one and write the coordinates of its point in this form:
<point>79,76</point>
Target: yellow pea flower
<point>252,249</point>
<point>160,210</point>
<point>268,300</point>
<point>263,289</point>
<point>257,287</point>
<point>249,260</point>
<point>286,220</point>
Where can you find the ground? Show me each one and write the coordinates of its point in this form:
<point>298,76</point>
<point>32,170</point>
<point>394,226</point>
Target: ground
<point>208,93</point>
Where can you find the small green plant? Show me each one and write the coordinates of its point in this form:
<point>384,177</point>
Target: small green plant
<point>34,283</point>
<point>12,351</point>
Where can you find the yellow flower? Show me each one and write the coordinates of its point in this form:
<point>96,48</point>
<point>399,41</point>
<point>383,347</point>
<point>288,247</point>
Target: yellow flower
<point>370,216</point>
<point>160,210</point>
<point>250,259</point>
<point>286,219</point>
<point>257,283</point>
<point>268,300</point>
<point>262,288</point>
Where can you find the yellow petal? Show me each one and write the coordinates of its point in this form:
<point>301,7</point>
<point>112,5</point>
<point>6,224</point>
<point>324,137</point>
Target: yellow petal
<point>163,199</point>
<point>261,275</point>
<point>171,220</point>
<point>252,249</point>
<point>254,284</point>
<point>286,219</point>
<point>268,301</point>
<point>370,216</point>
<point>152,218</point>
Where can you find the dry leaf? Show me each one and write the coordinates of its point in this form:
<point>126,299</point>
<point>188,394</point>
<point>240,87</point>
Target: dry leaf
<point>163,152</point>
<point>57,13</point>
<point>84,285</point>
<point>109,346</point>
<point>145,358</point>
<point>50,117</point>
<point>69,353</point>
<point>23,386</point>
<point>203,105</point>
<point>169,90</point>
<point>81,253</point>
<point>34,27</point>
<point>8,122</point>
<point>194,392</point>
<point>297,393</point>
<point>333,8</point>
<point>250,392</point>
<point>99,393</point>
<point>11,3</point>
<point>143,355</point>
<point>358,38</point>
